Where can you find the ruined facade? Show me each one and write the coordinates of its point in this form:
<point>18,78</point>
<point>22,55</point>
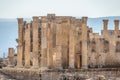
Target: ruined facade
<point>62,42</point>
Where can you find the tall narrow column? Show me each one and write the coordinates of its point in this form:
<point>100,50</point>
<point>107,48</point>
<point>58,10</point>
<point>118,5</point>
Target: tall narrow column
<point>72,44</point>
<point>105,31</point>
<point>35,26</point>
<point>49,46</point>
<point>27,45</point>
<point>20,43</point>
<point>116,31</point>
<point>58,45</point>
<point>84,43</point>
<point>65,46</point>
<point>11,57</point>
<point>44,45</point>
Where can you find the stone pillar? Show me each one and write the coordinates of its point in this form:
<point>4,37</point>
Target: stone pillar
<point>84,43</point>
<point>105,31</point>
<point>44,45</point>
<point>11,57</point>
<point>20,43</point>
<point>49,55</point>
<point>72,44</point>
<point>65,46</point>
<point>116,31</point>
<point>35,26</point>
<point>58,45</point>
<point>27,45</point>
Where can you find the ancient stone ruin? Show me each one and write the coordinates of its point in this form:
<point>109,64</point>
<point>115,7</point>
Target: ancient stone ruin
<point>65,43</point>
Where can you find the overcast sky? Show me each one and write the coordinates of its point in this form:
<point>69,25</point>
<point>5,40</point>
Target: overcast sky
<point>29,8</point>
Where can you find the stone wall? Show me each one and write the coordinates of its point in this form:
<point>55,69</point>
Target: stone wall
<point>69,74</point>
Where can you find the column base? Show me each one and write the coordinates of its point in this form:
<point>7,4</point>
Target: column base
<point>71,67</point>
<point>43,68</point>
<point>11,66</point>
<point>84,67</point>
<point>34,67</point>
<point>27,67</point>
<point>58,67</point>
<point>18,66</point>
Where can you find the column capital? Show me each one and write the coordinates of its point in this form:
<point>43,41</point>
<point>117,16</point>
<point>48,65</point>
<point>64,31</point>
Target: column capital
<point>105,20</point>
<point>84,19</point>
<point>72,20</point>
<point>35,18</point>
<point>116,22</point>
<point>105,23</point>
<point>59,21</point>
<point>20,20</point>
<point>51,16</point>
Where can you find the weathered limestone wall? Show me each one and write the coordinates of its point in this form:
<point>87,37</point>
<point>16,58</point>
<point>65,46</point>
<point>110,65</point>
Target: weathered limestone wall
<point>66,42</point>
<point>84,74</point>
<point>106,48</point>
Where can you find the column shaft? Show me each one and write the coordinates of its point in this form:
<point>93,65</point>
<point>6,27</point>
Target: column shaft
<point>44,46</point>
<point>116,31</point>
<point>11,57</point>
<point>65,46</point>
<point>58,45</point>
<point>84,42</point>
<point>20,43</point>
<point>105,31</point>
<point>35,26</point>
<point>27,46</point>
<point>72,45</point>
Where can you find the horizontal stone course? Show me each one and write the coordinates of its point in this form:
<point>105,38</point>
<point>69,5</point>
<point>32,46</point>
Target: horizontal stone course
<point>54,74</point>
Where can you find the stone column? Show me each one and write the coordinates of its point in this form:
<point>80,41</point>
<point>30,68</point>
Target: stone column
<point>72,44</point>
<point>65,46</point>
<point>116,31</point>
<point>58,45</point>
<point>35,26</point>
<point>27,45</point>
<point>20,43</point>
<point>11,57</point>
<point>49,55</point>
<point>105,31</point>
<point>84,43</point>
<point>44,45</point>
